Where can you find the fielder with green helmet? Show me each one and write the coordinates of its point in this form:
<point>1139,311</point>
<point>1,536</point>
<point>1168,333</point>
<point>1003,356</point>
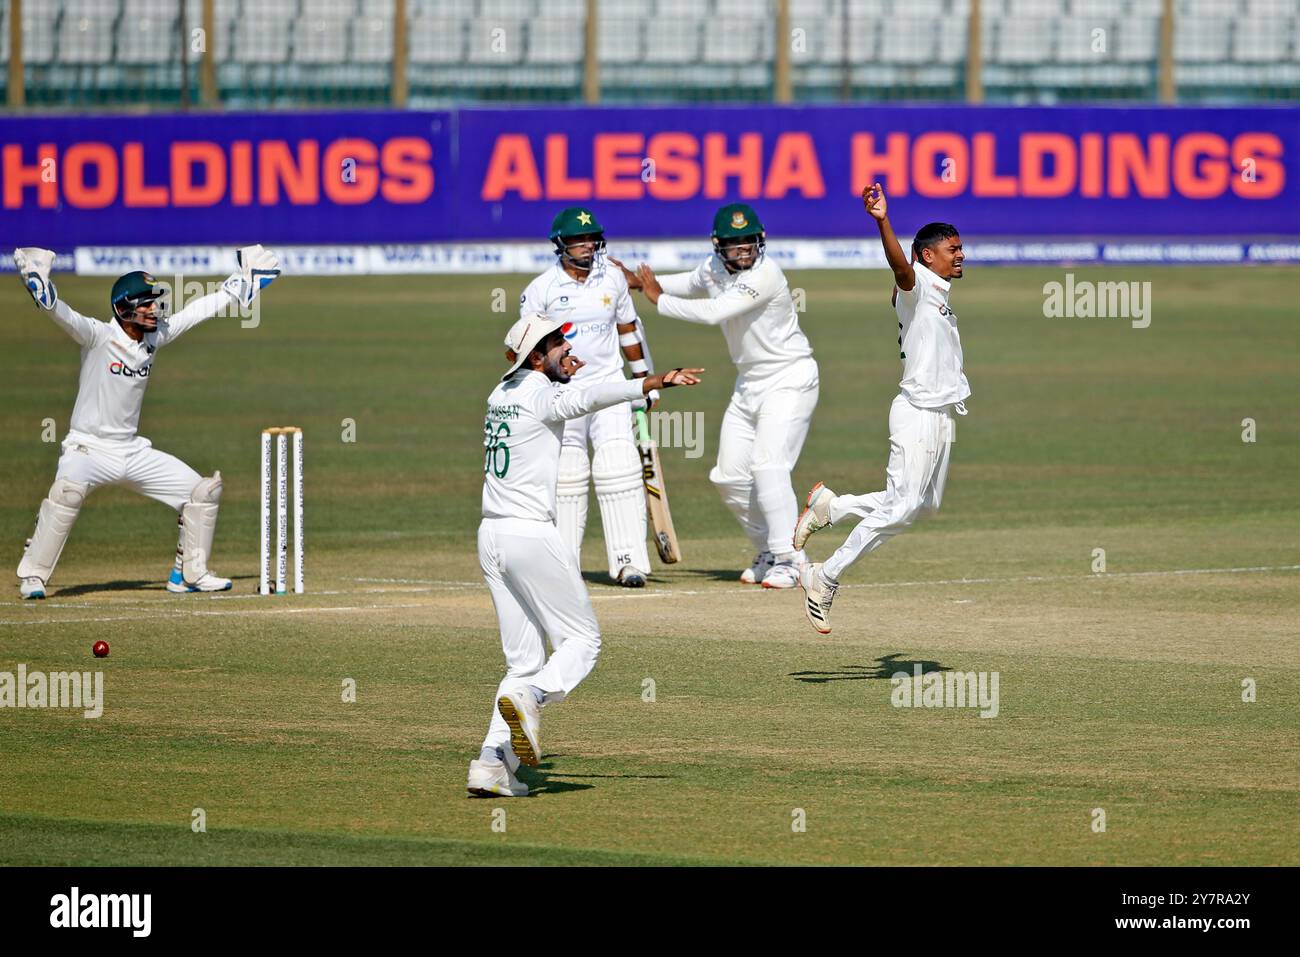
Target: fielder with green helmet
<point>102,447</point>
<point>583,289</point>
<point>742,290</point>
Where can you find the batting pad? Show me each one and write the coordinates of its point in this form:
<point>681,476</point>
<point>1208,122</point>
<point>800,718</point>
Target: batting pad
<point>621,494</point>
<point>198,527</point>
<point>571,497</point>
<point>54,523</point>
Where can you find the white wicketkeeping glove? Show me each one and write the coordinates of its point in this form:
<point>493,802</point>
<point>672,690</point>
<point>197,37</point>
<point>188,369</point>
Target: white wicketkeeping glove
<point>258,268</point>
<point>34,267</point>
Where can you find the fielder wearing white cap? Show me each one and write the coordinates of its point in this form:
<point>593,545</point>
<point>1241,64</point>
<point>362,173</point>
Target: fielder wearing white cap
<point>921,422</point>
<point>745,293</point>
<point>532,575</point>
<point>102,447</point>
<point>581,288</point>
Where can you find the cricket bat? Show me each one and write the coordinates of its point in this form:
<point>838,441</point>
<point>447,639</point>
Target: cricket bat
<point>656,496</point>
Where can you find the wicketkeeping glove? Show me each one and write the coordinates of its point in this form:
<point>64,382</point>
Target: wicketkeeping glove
<point>34,267</point>
<point>258,268</point>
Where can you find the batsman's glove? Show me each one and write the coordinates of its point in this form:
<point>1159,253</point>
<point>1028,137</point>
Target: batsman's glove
<point>258,268</point>
<point>646,402</point>
<point>34,267</point>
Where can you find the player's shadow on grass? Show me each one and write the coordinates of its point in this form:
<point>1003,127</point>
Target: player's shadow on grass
<point>885,667</point>
<point>715,574</point>
<point>557,783</point>
<point>91,587</point>
<point>542,783</point>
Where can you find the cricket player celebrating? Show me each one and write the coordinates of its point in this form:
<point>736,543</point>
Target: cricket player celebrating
<point>102,447</point>
<point>767,420</point>
<point>921,423</point>
<point>582,290</point>
<point>530,570</point>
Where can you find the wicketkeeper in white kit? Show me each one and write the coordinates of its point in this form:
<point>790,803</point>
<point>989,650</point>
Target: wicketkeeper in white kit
<point>581,288</point>
<point>922,419</point>
<point>745,293</point>
<point>531,572</point>
<point>102,447</point>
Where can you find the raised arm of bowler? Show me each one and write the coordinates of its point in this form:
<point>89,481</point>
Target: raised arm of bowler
<point>921,419</point>
<point>532,575</point>
<point>740,289</point>
<point>102,447</point>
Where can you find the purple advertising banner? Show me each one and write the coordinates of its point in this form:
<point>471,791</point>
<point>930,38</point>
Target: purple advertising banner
<point>401,177</point>
<point>226,178</point>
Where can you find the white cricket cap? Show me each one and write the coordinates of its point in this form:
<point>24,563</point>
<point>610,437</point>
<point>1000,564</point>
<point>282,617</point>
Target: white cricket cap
<point>526,334</point>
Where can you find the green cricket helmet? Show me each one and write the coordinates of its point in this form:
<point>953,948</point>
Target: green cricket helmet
<point>574,223</point>
<point>135,289</point>
<point>737,225</point>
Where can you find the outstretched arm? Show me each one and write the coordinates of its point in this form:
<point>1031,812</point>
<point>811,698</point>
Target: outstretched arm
<point>258,268</point>
<point>195,312</point>
<point>675,284</point>
<point>739,298</point>
<point>873,198</point>
<point>570,403</point>
<point>34,267</point>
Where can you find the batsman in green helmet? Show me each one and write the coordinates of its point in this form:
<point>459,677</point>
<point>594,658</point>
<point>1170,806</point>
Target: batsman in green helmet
<point>102,447</point>
<point>583,288</point>
<point>742,290</point>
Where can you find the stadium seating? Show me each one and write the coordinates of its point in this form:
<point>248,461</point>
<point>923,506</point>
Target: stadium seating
<point>465,50</point>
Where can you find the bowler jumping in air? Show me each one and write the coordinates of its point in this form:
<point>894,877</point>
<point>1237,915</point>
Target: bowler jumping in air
<point>745,293</point>
<point>102,447</point>
<point>921,420</point>
<point>531,571</point>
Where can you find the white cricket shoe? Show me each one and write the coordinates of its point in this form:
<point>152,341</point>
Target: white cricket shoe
<point>815,517</point>
<point>819,592</point>
<point>177,585</point>
<point>761,565</point>
<point>785,574</point>
<point>494,780</point>
<point>524,715</point>
<point>31,587</point>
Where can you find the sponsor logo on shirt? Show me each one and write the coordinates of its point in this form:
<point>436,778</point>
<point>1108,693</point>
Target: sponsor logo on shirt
<point>572,329</point>
<point>122,369</point>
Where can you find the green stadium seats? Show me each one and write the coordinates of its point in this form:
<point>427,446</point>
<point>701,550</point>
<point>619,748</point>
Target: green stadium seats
<point>552,40</point>
<point>320,39</point>
<point>79,51</point>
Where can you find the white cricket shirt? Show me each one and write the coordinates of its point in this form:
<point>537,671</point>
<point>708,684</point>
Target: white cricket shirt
<point>521,438</point>
<point>595,307</point>
<point>932,360</point>
<point>753,307</point>
<point>115,369</point>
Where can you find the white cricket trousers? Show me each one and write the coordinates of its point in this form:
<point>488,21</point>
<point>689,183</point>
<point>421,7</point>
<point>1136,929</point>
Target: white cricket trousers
<point>920,441</point>
<point>133,464</point>
<point>763,432</point>
<point>538,594</point>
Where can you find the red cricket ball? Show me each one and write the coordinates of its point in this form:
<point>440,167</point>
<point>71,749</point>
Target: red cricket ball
<point>100,649</point>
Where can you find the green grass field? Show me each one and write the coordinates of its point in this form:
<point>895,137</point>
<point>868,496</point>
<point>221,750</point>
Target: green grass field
<point>1120,691</point>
